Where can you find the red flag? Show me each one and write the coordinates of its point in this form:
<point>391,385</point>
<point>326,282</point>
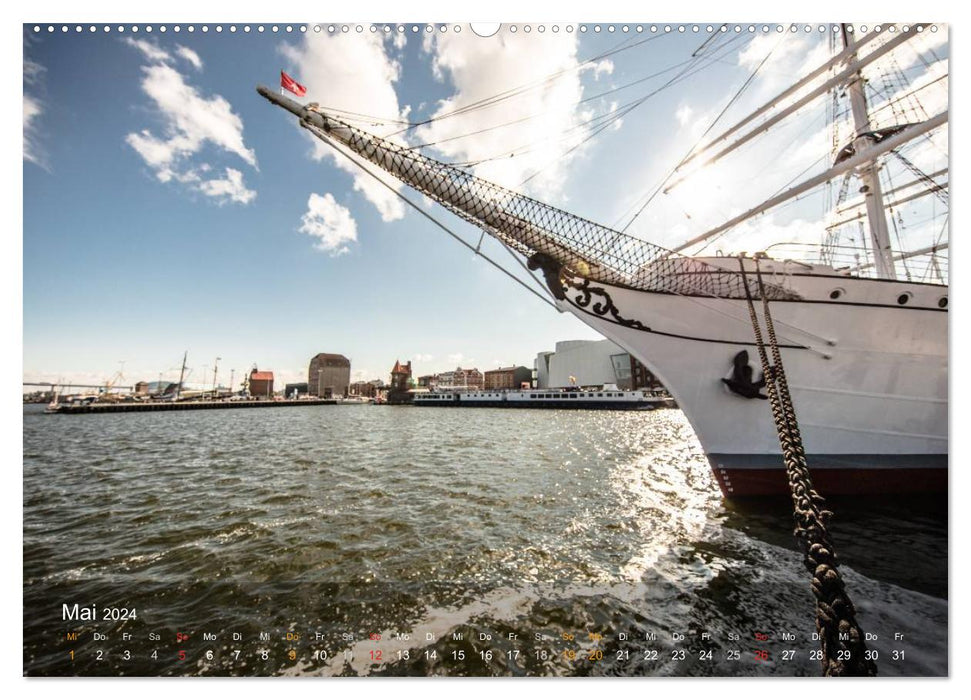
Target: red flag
<point>292,85</point>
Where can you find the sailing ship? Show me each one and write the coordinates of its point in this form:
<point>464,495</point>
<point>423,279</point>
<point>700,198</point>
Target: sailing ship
<point>865,351</point>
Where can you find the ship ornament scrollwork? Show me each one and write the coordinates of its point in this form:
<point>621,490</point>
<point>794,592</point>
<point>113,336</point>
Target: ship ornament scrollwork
<point>597,300</point>
<point>742,380</point>
<point>591,299</point>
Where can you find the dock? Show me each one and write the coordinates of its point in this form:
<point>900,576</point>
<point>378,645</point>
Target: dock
<point>139,406</point>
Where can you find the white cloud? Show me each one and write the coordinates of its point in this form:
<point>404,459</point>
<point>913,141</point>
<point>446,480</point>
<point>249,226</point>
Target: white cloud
<point>352,73</point>
<point>910,52</point>
<point>151,51</point>
<point>190,56</point>
<point>156,54</point>
<point>788,56</point>
<point>618,121</point>
<point>190,122</point>
<point>422,357</point>
<point>459,359</point>
<point>32,71</point>
<point>684,114</point>
<point>230,188</point>
<point>602,67</point>
<point>759,233</point>
<point>330,222</point>
<point>479,69</point>
<point>33,108</point>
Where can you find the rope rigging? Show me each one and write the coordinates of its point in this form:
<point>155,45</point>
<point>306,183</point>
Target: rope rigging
<point>526,87</point>
<point>841,638</point>
<point>690,70</point>
<point>698,62</point>
<point>611,114</point>
<point>406,125</point>
<point>527,225</point>
<point>475,249</point>
<point>701,138</point>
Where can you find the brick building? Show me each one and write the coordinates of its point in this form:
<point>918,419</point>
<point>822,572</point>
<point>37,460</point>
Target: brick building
<point>329,375</point>
<point>368,389</point>
<point>260,383</point>
<point>470,379</point>
<point>400,388</point>
<point>507,378</point>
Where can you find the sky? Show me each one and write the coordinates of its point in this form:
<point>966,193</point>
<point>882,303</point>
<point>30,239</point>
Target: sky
<point>169,208</point>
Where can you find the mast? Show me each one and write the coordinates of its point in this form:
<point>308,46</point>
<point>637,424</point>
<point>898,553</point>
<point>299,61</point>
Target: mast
<point>869,173</point>
<point>859,160</point>
<point>178,389</point>
<point>854,69</point>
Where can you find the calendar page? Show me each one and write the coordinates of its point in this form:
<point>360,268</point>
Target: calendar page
<point>514,349</point>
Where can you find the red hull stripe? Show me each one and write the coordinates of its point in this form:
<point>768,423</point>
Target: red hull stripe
<point>833,481</point>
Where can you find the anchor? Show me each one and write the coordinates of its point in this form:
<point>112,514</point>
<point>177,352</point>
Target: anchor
<point>741,380</point>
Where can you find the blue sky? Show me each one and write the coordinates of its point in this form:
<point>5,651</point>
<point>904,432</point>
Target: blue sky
<point>168,207</point>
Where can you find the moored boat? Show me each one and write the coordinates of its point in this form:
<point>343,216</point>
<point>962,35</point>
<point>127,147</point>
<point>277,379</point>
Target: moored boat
<point>566,398</point>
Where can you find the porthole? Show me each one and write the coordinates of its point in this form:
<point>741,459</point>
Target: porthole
<point>836,293</point>
<point>942,302</point>
<point>904,298</point>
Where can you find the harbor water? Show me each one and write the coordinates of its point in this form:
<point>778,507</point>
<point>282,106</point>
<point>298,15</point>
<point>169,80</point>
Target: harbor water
<point>527,540</point>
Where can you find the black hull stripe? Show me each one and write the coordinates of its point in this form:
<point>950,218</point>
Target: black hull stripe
<point>678,335</point>
<point>903,307</point>
<point>752,273</point>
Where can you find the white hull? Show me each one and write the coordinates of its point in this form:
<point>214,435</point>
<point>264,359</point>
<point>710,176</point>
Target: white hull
<point>868,376</point>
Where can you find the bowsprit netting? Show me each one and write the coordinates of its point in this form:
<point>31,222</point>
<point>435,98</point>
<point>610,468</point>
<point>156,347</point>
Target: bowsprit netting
<point>580,246</point>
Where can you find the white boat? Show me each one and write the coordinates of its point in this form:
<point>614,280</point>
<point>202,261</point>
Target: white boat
<point>866,353</point>
<point>565,398</point>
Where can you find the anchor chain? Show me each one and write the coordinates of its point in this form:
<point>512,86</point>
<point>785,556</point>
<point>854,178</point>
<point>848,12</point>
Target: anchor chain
<point>841,638</point>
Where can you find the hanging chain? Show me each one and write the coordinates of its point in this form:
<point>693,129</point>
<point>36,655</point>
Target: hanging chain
<point>841,639</point>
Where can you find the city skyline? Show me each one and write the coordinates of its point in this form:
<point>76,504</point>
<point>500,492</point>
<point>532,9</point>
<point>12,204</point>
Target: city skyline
<point>191,215</point>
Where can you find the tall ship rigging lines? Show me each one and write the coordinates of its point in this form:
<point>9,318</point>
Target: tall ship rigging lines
<point>863,339</point>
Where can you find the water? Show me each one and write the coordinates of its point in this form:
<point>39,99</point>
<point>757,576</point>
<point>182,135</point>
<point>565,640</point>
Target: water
<point>324,526</point>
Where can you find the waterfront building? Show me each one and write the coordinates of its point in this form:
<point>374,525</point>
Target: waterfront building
<point>591,363</point>
<point>507,378</point>
<point>296,390</point>
<point>329,375</point>
<point>466,379</point>
<point>401,375</point>
<point>400,383</point>
<point>367,389</point>
<point>260,383</point>
<point>141,389</point>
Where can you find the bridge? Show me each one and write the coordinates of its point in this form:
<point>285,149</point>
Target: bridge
<point>71,385</point>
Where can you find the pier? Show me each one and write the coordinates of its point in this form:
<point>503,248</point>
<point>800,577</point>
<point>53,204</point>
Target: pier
<point>137,406</point>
